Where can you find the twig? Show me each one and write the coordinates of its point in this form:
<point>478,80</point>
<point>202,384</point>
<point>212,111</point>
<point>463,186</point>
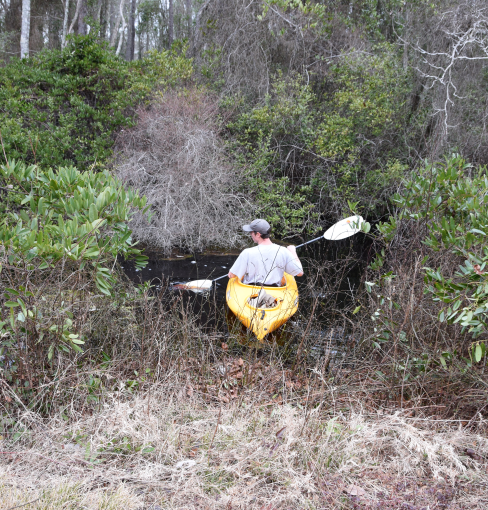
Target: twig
<point>299,350</point>
<point>216,427</point>
<point>3,148</point>
<point>44,457</point>
<point>403,380</point>
<point>24,504</point>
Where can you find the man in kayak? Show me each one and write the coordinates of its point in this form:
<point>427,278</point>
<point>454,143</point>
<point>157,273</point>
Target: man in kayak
<point>265,263</point>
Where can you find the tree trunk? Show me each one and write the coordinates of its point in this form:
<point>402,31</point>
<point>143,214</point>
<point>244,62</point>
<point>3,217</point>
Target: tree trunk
<point>115,31</point>
<point>405,43</point>
<point>170,23</point>
<point>37,28</point>
<point>53,26</point>
<point>13,20</point>
<point>189,17</point>
<point>75,17</point>
<point>131,35</point>
<point>25,29</point>
<point>121,40</point>
<point>196,35</point>
<point>104,19</point>
<point>65,23</point>
<point>82,28</point>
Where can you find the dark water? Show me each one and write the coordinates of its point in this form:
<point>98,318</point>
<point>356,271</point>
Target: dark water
<point>333,273</point>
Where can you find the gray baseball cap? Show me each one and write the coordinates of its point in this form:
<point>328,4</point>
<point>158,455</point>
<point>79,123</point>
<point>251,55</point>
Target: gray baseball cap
<point>261,226</point>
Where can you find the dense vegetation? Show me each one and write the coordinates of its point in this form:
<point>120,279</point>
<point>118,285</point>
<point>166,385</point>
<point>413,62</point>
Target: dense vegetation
<point>298,111</point>
<point>66,107</point>
<point>172,122</point>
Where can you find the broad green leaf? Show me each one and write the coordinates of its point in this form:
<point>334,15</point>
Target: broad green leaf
<point>93,213</point>
<point>478,353</point>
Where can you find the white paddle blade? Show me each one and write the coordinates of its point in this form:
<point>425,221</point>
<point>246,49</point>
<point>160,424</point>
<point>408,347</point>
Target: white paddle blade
<point>344,228</point>
<point>199,285</point>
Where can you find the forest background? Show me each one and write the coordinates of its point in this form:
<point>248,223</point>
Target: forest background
<point>170,123</point>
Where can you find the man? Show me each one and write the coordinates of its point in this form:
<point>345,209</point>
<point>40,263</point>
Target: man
<point>265,263</point>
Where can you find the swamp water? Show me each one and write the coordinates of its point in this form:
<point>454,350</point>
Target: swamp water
<point>327,294</point>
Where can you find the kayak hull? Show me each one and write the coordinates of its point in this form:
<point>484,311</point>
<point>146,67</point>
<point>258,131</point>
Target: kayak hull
<point>262,321</point>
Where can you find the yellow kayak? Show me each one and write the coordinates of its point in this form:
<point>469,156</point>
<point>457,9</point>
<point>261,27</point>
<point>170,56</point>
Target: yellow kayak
<point>241,298</point>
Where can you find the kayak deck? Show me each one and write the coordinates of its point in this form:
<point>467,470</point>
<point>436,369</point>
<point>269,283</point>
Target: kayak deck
<point>262,320</point>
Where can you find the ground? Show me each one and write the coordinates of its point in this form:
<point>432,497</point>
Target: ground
<point>177,444</point>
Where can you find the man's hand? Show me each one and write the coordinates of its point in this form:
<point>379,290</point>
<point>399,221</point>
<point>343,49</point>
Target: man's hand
<point>231,275</point>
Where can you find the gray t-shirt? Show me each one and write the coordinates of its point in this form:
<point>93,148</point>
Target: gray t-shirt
<point>265,264</point>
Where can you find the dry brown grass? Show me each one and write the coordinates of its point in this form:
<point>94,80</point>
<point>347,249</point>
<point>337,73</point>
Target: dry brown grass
<point>247,454</point>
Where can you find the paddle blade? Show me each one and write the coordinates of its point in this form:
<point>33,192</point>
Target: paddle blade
<point>344,228</point>
<point>196,285</point>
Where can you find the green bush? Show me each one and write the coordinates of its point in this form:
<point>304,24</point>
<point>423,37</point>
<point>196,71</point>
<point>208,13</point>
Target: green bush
<point>260,138</point>
<point>445,205</point>
<point>60,234</point>
<point>63,108</point>
<point>309,148</point>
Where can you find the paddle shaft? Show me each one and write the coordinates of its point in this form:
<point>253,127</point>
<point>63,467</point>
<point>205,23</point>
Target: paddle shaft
<point>308,242</point>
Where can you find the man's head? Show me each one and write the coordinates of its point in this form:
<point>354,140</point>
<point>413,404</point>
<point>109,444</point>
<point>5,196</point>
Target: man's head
<point>258,226</point>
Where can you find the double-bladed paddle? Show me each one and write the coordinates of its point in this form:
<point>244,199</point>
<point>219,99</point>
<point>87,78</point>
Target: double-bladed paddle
<point>340,230</point>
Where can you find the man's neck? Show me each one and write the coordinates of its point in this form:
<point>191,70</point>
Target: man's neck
<point>264,242</point>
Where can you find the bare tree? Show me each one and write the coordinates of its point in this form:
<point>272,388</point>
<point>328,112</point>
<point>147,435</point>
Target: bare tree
<point>176,158</point>
<point>65,23</point>
<point>129,50</point>
<point>450,58</point>
<point>25,29</point>
<point>170,22</point>
<point>82,27</point>
<point>121,39</point>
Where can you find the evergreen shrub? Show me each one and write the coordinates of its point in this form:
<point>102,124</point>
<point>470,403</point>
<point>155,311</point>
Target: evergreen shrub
<point>64,107</point>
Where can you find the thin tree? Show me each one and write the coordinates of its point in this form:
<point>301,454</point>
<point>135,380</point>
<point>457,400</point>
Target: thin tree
<point>82,28</point>
<point>75,17</point>
<point>197,27</point>
<point>65,23</point>
<point>115,30</point>
<point>189,17</point>
<point>170,23</point>
<point>129,50</point>
<point>121,40</point>
<point>25,28</point>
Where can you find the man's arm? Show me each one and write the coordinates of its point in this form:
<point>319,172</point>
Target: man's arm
<point>293,251</point>
<point>239,266</point>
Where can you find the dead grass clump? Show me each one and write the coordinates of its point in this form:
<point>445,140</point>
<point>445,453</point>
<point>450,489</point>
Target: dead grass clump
<point>174,157</point>
<point>165,448</point>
